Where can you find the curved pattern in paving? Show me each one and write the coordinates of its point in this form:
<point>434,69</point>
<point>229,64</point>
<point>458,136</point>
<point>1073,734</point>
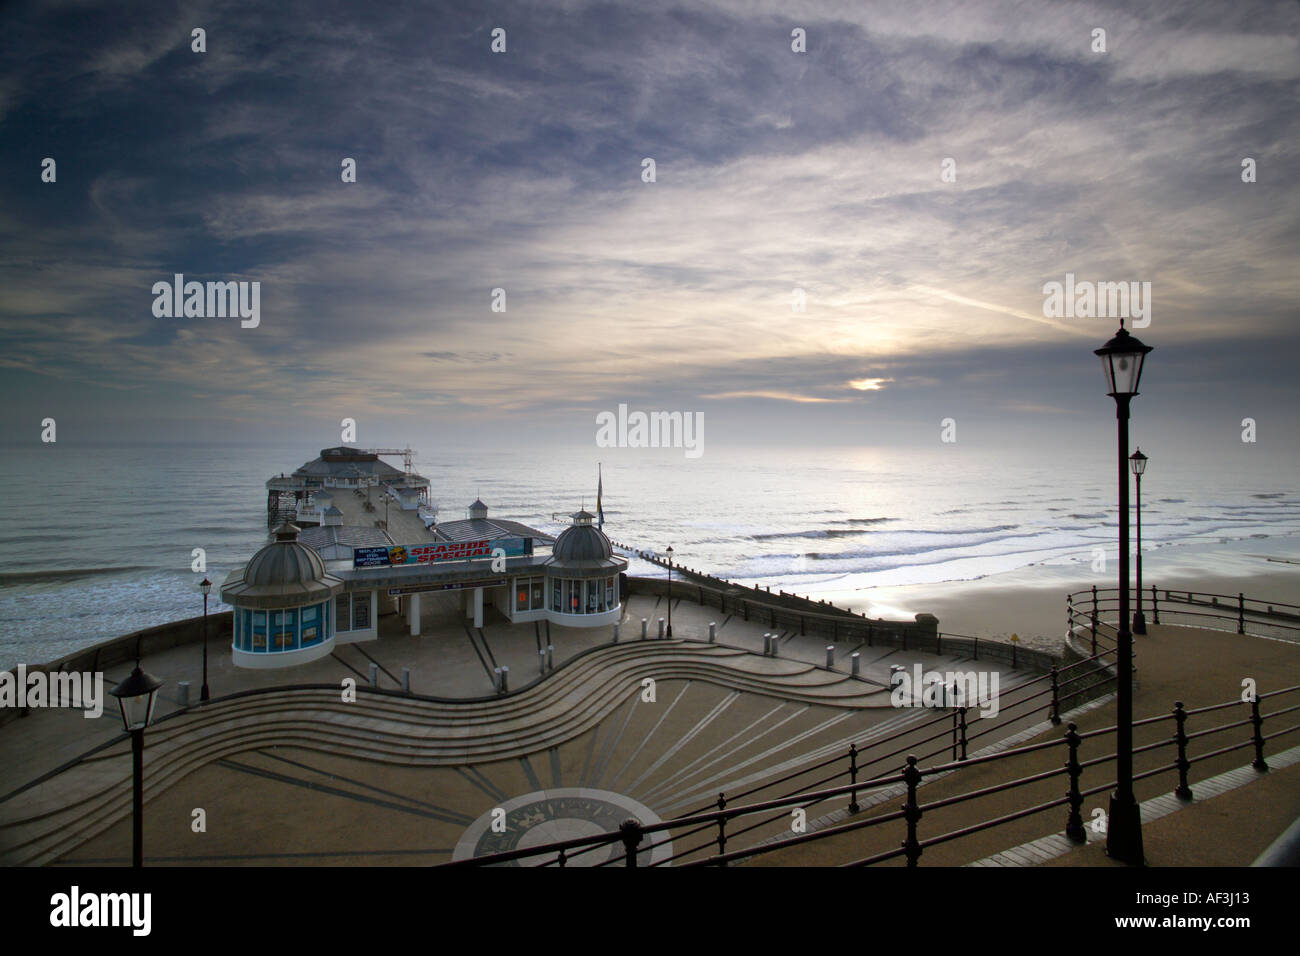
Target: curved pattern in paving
<point>722,719</point>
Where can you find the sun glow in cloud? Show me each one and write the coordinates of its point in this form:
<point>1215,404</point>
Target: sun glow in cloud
<point>869,384</point>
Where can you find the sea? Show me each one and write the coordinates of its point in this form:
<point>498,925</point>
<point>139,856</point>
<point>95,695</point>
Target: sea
<point>99,541</point>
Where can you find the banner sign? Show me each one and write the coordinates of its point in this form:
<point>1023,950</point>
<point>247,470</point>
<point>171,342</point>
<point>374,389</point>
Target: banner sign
<point>399,554</point>
<point>458,586</point>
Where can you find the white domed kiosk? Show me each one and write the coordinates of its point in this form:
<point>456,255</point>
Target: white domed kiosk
<point>284,601</point>
<point>582,576</point>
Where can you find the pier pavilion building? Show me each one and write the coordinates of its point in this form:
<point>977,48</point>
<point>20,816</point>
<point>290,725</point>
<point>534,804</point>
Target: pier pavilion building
<point>326,584</point>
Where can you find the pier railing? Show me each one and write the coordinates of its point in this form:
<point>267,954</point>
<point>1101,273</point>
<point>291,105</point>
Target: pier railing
<point>719,822</point>
<point>1092,614</point>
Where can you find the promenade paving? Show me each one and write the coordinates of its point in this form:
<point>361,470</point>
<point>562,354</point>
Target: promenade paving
<point>304,799</point>
<point>1197,666</point>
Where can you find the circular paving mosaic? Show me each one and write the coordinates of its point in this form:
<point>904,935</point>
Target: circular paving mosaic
<point>564,813</point>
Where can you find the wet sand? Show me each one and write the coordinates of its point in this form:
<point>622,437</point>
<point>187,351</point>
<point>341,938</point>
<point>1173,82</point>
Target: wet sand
<point>1031,602</point>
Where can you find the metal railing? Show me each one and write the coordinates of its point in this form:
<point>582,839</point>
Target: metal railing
<point>1085,611</point>
<point>632,833</point>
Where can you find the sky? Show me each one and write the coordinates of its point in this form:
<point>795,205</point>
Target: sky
<point>523,170</point>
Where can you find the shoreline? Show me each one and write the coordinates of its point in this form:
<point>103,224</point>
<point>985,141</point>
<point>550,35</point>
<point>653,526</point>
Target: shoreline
<point>1031,601</point>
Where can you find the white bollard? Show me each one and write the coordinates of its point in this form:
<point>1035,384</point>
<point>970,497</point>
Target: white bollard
<point>767,645</point>
<point>541,660</point>
<point>374,674</point>
<point>643,626</point>
<point>830,655</point>
<point>856,658</point>
<point>183,689</point>
<point>406,680</point>
<point>615,633</point>
<point>661,629</point>
<point>550,657</point>
<point>496,679</point>
<point>505,678</point>
<point>713,631</point>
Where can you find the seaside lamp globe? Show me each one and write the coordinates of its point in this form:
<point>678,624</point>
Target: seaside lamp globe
<point>136,696</point>
<point>1139,462</point>
<point>206,587</point>
<point>1121,360</point>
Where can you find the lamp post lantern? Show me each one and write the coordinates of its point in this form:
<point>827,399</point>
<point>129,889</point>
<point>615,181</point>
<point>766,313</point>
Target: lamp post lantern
<point>206,587</point>
<point>1121,360</point>
<point>1139,463</point>
<point>669,552</point>
<point>136,696</point>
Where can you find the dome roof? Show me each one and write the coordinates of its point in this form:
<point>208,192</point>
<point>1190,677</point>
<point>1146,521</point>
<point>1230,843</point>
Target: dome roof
<point>283,573</point>
<point>582,543</point>
<point>584,549</point>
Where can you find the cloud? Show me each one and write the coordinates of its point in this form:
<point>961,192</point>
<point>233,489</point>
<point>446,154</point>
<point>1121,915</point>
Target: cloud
<point>776,171</point>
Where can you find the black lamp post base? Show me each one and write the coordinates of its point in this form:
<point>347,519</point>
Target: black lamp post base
<point>1124,831</point>
<point>203,694</point>
<point>669,632</point>
<point>1139,623</point>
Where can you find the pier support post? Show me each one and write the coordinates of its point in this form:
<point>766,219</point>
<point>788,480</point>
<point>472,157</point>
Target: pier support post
<point>413,614</point>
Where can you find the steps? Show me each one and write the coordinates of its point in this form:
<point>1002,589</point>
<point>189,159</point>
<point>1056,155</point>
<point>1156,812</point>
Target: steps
<point>45,822</point>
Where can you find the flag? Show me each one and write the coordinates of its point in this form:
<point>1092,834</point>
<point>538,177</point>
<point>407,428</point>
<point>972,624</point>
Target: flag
<point>600,487</point>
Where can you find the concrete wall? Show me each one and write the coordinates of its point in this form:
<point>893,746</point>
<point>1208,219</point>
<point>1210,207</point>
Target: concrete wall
<point>118,650</point>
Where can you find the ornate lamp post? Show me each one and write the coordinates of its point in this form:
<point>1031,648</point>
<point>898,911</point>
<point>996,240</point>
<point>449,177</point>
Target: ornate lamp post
<point>1121,359</point>
<point>1139,463</point>
<point>136,696</point>
<point>206,587</point>
<point>669,552</point>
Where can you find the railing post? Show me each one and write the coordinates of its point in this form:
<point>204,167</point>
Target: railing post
<point>1155,608</point>
<point>853,777</point>
<point>1241,613</point>
<point>1074,822</point>
<point>938,642</point>
<point>722,827</point>
<point>961,727</point>
<point>911,811</point>
<point>1056,699</point>
<point>1094,620</point>
<point>1258,721</point>
<point>631,830</point>
<point>871,633</point>
<point>1182,791</point>
<point>561,859</point>
<point>954,734</point>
